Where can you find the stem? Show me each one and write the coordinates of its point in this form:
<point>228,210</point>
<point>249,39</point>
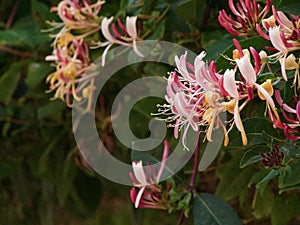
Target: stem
<point>12,15</point>
<point>14,51</point>
<point>194,175</point>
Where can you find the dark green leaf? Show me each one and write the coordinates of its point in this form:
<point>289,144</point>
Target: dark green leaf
<point>283,209</point>
<point>291,178</point>
<point>9,81</point>
<point>252,155</point>
<point>291,8</point>
<point>53,108</point>
<point>215,42</point>
<point>211,210</point>
<point>66,179</point>
<point>271,175</point>
<point>37,73</point>
<point>231,184</point>
<point>159,31</point>
<point>263,203</point>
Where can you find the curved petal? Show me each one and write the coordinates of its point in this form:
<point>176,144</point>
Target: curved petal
<point>274,33</point>
<point>246,69</point>
<point>139,172</point>
<point>131,26</point>
<point>229,83</point>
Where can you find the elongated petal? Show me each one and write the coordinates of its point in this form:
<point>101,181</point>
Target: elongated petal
<point>181,66</point>
<point>229,83</point>
<point>239,124</point>
<point>139,172</point>
<point>105,29</point>
<point>298,110</point>
<point>139,196</point>
<point>163,161</point>
<point>246,69</point>
<point>131,26</point>
<point>282,65</point>
<point>274,33</point>
<point>266,95</point>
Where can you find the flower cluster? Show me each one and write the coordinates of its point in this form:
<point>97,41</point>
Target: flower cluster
<point>197,94</point>
<point>74,38</point>
<point>147,193</point>
<point>247,17</point>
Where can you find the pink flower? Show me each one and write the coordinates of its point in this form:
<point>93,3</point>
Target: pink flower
<point>122,36</point>
<point>284,35</point>
<point>247,16</point>
<point>195,97</point>
<point>70,70</point>
<point>291,127</point>
<point>146,192</point>
<point>79,15</point>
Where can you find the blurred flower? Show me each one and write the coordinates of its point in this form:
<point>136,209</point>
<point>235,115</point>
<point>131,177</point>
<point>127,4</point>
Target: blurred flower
<point>146,192</point>
<point>71,66</point>
<point>75,15</point>
<point>248,15</point>
<point>291,115</point>
<point>122,36</point>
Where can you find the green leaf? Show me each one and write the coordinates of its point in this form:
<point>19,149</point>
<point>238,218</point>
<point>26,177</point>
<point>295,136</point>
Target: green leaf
<point>291,178</point>
<point>37,71</point>
<point>271,175</point>
<point>9,81</point>
<point>263,203</point>
<point>190,6</point>
<point>211,210</point>
<point>66,179</point>
<point>231,182</point>
<point>41,11</point>
<point>265,76</point>
<point>256,134</point>
<point>53,108</point>
<point>22,37</point>
<point>291,8</point>
<point>283,209</point>
<point>215,42</point>
<point>252,155</point>
<point>159,31</point>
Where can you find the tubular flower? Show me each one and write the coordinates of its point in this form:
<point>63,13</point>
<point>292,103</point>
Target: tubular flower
<point>284,35</point>
<point>75,15</point>
<point>146,192</point>
<point>196,97</point>
<point>291,115</point>
<point>244,89</point>
<point>126,36</point>
<point>70,70</point>
<point>248,15</point>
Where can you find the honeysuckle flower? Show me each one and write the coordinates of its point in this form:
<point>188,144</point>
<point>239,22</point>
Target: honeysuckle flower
<point>243,89</point>
<point>126,36</point>
<point>70,70</point>
<point>247,16</point>
<point>284,35</point>
<point>195,97</point>
<point>75,15</point>
<point>291,127</point>
<point>149,194</point>
<point>79,15</point>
